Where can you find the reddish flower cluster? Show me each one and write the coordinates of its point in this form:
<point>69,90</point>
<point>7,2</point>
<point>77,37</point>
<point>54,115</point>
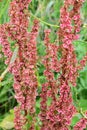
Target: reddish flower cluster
<point>49,89</point>
<point>57,115</point>
<point>5,43</point>
<point>81,125</point>
<point>23,69</point>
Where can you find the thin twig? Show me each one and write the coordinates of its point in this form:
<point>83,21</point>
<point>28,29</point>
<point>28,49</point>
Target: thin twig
<point>52,25</point>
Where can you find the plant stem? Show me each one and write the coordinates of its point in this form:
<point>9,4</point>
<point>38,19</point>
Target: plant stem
<point>52,25</point>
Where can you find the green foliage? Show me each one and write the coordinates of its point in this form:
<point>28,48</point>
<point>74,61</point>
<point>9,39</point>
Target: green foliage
<point>75,119</point>
<point>7,123</point>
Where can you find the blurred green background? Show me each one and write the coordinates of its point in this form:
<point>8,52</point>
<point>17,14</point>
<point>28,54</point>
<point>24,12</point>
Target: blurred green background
<point>48,11</point>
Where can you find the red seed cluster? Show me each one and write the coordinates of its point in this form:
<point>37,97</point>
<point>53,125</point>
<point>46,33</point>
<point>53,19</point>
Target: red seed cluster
<point>58,114</point>
<point>23,69</point>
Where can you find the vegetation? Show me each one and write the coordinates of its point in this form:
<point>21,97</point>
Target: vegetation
<point>47,12</point>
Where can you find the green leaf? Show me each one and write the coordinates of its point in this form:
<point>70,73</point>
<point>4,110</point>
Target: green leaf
<point>8,121</point>
<point>14,56</point>
<point>83,104</point>
<point>75,119</point>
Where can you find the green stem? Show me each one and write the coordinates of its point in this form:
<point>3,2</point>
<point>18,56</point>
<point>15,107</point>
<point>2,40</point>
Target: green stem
<point>13,58</point>
<point>81,112</point>
<point>52,25</point>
